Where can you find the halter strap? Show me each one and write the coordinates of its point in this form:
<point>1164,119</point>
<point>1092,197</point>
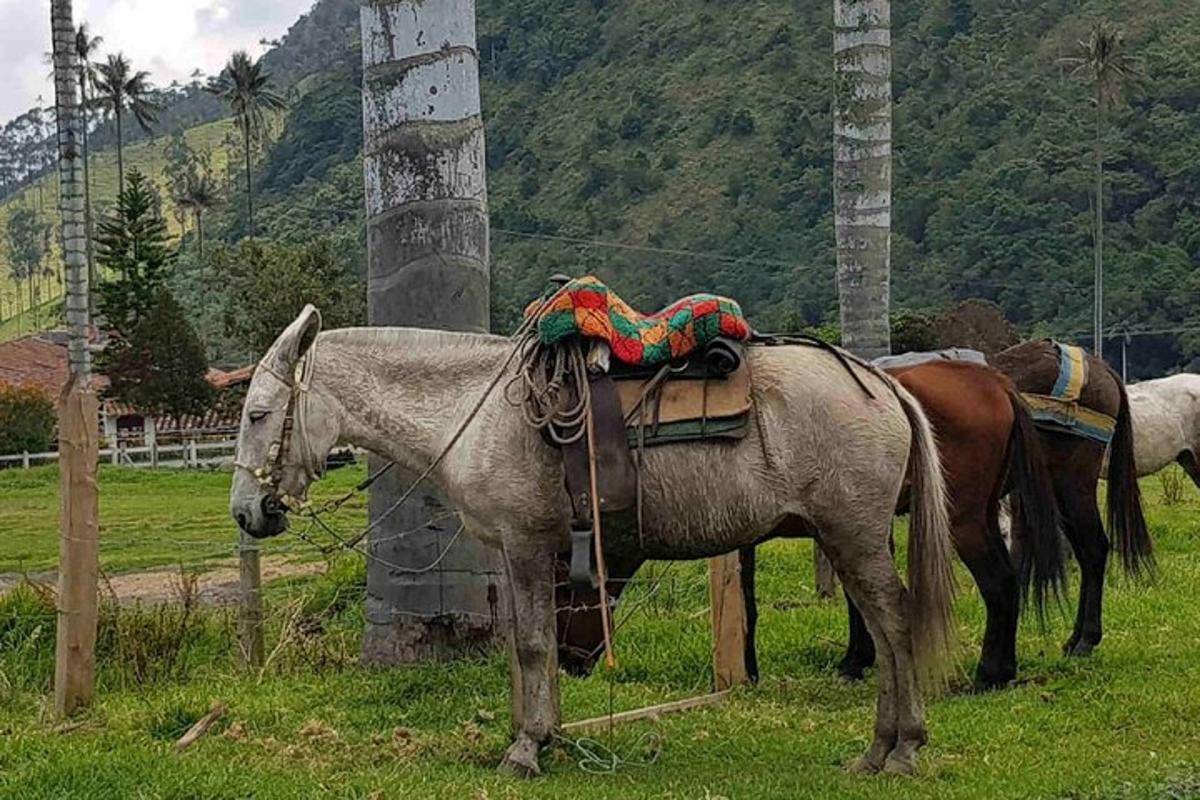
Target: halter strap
<point>294,431</point>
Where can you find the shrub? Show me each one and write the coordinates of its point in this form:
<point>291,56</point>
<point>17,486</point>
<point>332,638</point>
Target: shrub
<point>27,419</point>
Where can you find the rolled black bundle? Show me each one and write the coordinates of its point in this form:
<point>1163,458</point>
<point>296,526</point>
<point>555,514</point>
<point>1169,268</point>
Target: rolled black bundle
<point>722,357</point>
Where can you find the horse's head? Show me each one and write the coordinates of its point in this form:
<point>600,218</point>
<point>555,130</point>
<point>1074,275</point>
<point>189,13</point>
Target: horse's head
<point>285,433</point>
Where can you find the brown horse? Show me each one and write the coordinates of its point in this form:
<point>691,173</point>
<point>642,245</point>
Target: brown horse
<point>1075,463</point>
<point>987,445</point>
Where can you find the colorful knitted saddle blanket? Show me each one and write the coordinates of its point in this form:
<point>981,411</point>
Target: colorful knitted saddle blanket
<point>587,308</point>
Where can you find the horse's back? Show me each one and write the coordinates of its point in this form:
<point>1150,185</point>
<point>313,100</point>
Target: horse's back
<point>825,412</point>
<point>1035,366</point>
<point>963,400</point>
<point>1166,419</point>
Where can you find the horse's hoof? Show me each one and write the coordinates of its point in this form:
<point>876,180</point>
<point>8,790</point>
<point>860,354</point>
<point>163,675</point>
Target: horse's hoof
<point>1079,649</point>
<point>852,672</point>
<point>899,765</point>
<point>864,765</point>
<point>521,759</point>
<point>990,683</point>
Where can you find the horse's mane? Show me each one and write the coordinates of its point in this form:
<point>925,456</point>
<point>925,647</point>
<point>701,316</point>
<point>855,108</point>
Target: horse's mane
<point>410,337</point>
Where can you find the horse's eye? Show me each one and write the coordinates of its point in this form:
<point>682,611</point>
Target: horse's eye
<point>258,416</point>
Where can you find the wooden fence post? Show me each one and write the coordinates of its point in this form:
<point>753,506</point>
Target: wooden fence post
<point>250,612</point>
<point>825,577</point>
<point>79,554</point>
<point>728,621</point>
<point>25,458</point>
<point>151,436</point>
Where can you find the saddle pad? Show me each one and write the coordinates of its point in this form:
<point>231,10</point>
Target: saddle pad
<point>1070,417</point>
<point>914,359</point>
<point>687,400</point>
<point>1072,372</point>
<point>1060,410</point>
<point>586,307</point>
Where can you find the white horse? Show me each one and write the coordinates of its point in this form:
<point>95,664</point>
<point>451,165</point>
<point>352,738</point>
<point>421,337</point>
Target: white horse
<point>1166,424</point>
<point>824,459</point>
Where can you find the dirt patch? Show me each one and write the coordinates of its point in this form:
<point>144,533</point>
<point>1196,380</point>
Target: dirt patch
<point>217,585</point>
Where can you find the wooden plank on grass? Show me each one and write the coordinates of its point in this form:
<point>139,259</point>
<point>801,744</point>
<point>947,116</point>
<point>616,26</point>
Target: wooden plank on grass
<point>79,553</point>
<point>728,621</point>
<point>200,728</point>
<point>649,712</point>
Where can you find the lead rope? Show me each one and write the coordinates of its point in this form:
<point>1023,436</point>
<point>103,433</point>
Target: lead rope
<point>610,660</point>
<point>524,337</point>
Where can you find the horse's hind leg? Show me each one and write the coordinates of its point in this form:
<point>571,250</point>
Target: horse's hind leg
<point>1085,532</point>
<point>882,599</point>
<point>981,545</point>
<point>1187,460</point>
<point>860,651</point>
<point>870,578</point>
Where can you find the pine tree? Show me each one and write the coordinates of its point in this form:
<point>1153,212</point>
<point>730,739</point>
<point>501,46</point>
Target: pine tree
<point>132,245</point>
<point>160,366</point>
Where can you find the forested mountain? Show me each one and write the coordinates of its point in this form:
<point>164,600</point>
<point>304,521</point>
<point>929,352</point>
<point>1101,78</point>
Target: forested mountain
<point>700,134</point>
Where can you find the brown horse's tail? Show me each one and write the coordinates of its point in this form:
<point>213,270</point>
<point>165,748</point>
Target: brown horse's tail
<point>1126,522</point>
<point>930,552</point>
<point>1043,564</point>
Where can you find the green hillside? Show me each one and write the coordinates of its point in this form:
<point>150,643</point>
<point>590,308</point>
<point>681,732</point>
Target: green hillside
<point>700,135</point>
<point>150,158</point>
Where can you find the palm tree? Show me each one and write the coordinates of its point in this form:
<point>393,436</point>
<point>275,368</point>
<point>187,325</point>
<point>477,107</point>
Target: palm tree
<point>246,87</point>
<point>121,91</point>
<point>429,271</point>
<point>199,196</point>
<point>1103,62</point>
<point>71,203</point>
<point>862,184</point>
<point>86,46</point>
<point>862,171</point>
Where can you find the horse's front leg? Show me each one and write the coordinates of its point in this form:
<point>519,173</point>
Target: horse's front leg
<point>534,655</point>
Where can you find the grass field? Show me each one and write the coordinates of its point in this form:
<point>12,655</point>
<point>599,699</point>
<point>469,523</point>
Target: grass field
<point>147,156</point>
<point>1121,724</point>
<point>147,518</point>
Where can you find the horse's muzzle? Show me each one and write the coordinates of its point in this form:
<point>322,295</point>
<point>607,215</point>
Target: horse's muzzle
<point>261,520</point>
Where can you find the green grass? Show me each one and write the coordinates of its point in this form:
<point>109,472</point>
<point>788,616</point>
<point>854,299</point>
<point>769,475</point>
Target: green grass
<point>146,156</point>
<point>147,518</point>
<point>1121,724</point>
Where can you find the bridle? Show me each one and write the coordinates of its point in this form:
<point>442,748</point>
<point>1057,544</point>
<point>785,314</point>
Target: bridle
<point>293,433</point>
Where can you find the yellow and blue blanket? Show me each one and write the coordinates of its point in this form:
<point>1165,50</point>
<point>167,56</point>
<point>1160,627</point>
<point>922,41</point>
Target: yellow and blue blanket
<point>1060,410</point>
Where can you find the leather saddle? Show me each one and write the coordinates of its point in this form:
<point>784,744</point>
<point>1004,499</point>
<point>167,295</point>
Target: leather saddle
<point>699,394</point>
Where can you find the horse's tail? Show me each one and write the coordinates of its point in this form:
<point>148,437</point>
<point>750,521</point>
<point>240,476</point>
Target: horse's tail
<point>930,552</point>
<point>1043,564</point>
<point>1126,522</point>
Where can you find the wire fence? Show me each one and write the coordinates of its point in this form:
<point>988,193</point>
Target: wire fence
<point>192,565</point>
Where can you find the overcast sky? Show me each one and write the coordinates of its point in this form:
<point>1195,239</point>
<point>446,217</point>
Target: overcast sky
<point>169,38</point>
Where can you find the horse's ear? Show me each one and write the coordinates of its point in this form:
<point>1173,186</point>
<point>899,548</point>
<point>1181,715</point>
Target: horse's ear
<point>309,323</point>
<point>295,341</point>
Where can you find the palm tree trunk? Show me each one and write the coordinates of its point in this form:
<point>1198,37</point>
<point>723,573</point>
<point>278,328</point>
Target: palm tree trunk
<point>862,186</point>
<point>120,152</point>
<point>249,183</point>
<point>427,266</point>
<point>862,172</point>
<point>1098,235</point>
<point>87,192</point>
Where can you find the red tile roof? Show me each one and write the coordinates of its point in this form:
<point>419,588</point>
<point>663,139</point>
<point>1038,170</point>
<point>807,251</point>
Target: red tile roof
<point>35,362</point>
